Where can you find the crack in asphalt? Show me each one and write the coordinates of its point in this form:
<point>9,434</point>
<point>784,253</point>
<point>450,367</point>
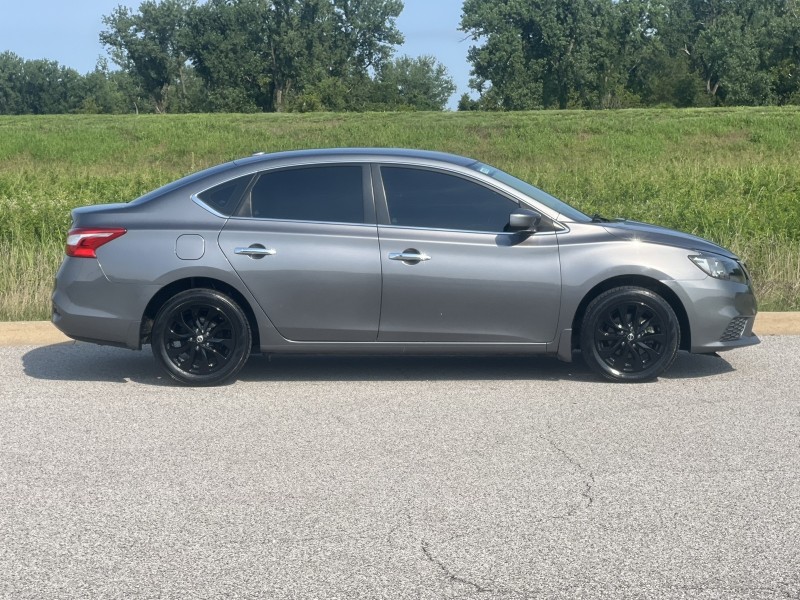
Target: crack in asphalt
<point>588,491</point>
<point>404,515</point>
<point>450,576</point>
<point>406,521</point>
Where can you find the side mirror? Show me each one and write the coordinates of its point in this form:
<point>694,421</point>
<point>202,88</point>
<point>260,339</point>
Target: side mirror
<point>524,220</point>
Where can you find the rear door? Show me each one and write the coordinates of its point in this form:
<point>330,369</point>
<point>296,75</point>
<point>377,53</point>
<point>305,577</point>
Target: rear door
<point>306,246</point>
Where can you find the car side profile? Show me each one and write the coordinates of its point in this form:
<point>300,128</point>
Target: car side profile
<point>389,251</point>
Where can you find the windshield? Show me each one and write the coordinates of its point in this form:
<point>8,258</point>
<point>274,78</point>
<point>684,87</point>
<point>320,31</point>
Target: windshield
<point>549,201</point>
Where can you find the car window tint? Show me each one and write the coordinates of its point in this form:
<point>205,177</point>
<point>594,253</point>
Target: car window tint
<point>329,193</point>
<point>225,197</point>
<point>424,198</point>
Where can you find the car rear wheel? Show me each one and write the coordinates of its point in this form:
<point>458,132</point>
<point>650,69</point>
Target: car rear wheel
<point>201,337</point>
<point>629,334</point>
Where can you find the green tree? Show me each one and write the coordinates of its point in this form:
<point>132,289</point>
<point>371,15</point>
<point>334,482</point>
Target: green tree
<point>278,54</point>
<point>727,48</point>
<point>299,36</point>
<point>366,33</point>
<point>51,88</point>
<point>536,54</point>
<point>226,42</point>
<point>12,77</point>
<point>783,57</point>
<point>421,83</point>
<point>625,38</point>
<point>616,53</point>
<point>106,91</point>
<point>506,73</point>
<point>662,73</point>
<point>729,45</point>
<point>38,86</point>
<point>466,103</point>
<point>146,44</point>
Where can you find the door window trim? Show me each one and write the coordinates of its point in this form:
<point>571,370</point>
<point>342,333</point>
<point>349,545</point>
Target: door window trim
<point>382,204</point>
<point>241,212</point>
<point>368,202</point>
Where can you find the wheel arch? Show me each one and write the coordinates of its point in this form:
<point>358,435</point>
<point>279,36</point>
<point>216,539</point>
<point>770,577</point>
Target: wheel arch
<point>190,283</point>
<point>639,281</point>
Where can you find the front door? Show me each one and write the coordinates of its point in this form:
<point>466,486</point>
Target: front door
<point>450,271</point>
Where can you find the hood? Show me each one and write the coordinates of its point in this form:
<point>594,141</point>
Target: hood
<point>630,230</point>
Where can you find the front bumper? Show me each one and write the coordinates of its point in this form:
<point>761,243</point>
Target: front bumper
<point>721,313</point>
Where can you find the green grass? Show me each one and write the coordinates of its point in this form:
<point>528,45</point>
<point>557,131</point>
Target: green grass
<point>730,175</point>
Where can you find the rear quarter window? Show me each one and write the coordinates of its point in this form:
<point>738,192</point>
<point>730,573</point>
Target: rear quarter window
<point>225,197</point>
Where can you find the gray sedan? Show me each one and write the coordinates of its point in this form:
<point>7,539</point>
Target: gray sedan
<point>389,251</point>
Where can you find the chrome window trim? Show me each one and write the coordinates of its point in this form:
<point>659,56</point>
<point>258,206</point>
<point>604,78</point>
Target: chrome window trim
<point>202,204</point>
<point>263,219</point>
<point>492,233</point>
<point>488,182</point>
<point>481,179</point>
<point>197,200</point>
<point>464,172</point>
<point>263,169</point>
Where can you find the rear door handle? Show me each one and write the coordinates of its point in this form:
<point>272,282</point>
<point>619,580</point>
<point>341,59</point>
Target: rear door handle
<point>410,255</point>
<point>256,251</point>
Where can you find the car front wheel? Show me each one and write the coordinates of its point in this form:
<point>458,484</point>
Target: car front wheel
<point>629,334</point>
<point>201,337</point>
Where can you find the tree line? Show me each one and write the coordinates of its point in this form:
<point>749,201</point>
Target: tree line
<point>624,53</point>
<point>237,56</point>
<point>339,55</point>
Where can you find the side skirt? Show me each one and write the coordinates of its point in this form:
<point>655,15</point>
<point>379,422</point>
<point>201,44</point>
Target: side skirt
<point>399,348</point>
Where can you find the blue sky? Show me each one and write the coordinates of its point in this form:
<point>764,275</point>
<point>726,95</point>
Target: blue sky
<point>68,32</point>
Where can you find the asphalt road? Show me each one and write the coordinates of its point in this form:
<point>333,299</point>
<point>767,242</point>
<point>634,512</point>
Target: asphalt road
<point>399,478</point>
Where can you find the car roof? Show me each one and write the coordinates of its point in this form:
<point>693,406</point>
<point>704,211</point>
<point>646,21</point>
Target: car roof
<point>360,154</point>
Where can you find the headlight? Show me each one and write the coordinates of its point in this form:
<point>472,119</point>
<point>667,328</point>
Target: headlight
<point>720,267</point>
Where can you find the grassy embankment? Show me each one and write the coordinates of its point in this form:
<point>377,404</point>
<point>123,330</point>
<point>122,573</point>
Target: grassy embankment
<point>732,175</point>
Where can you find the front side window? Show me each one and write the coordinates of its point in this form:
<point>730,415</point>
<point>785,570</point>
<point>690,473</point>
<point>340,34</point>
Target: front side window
<point>326,193</point>
<point>436,200</point>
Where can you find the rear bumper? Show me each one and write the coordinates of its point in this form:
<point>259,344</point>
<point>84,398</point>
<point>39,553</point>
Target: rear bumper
<point>86,306</point>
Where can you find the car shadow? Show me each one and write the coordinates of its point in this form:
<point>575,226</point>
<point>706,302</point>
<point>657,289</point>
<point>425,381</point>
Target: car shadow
<point>87,362</point>
<point>411,368</point>
<point>77,361</point>
<point>694,366</point>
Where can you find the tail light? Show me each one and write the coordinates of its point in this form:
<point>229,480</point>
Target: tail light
<point>84,241</point>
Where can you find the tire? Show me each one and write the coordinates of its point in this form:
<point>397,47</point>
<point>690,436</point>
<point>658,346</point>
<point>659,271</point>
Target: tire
<point>201,337</point>
<point>629,334</point>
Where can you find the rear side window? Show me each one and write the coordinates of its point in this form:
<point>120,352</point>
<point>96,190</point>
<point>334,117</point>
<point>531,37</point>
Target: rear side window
<point>436,200</point>
<point>224,198</point>
<point>327,193</point>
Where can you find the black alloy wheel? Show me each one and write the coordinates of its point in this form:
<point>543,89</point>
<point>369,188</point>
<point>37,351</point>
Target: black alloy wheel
<point>201,337</point>
<point>629,334</point>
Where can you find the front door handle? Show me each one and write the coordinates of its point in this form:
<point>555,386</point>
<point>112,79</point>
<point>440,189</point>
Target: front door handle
<point>409,255</point>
